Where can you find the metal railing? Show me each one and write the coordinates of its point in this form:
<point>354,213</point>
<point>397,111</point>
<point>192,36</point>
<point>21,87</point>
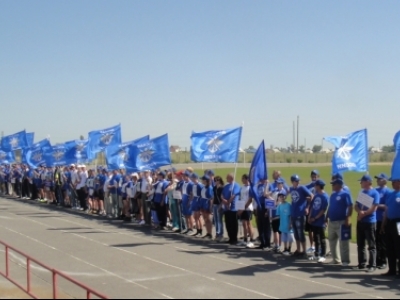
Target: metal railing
<point>55,275</point>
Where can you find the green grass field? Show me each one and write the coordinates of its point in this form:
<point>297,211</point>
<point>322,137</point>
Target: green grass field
<point>351,178</point>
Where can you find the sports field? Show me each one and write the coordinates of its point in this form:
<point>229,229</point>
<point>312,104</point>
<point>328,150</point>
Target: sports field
<point>351,178</point>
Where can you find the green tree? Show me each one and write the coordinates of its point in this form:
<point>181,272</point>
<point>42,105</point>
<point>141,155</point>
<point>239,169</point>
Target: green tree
<point>82,138</point>
<point>388,149</point>
<point>251,148</point>
<point>317,148</point>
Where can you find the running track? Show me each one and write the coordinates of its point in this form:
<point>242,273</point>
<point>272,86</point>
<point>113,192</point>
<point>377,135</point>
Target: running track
<point>127,261</point>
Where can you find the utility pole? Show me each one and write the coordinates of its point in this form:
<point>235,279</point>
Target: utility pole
<point>298,124</point>
<point>294,135</point>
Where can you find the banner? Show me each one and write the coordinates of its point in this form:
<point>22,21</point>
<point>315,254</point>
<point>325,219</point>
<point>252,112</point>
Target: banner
<point>99,140</point>
<point>149,155</point>
<point>351,152</point>
<point>116,156</point>
<point>37,154</point>
<point>258,171</point>
<point>14,142</point>
<point>7,157</point>
<point>216,146</point>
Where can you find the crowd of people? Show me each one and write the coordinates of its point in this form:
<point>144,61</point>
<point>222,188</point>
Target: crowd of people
<point>205,206</point>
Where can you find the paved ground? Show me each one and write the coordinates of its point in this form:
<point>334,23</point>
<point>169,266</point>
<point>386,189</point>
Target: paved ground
<point>132,262</point>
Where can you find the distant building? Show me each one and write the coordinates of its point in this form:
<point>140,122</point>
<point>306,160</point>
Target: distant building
<point>175,149</point>
<point>326,150</point>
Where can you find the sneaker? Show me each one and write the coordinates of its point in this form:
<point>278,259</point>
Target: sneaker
<point>185,231</point>
<point>142,223</point>
<point>382,267</point>
<point>321,260</point>
<point>241,244</point>
<point>175,229</point>
<point>250,245</point>
<point>345,265</point>
<point>286,253</point>
<point>190,232</point>
<point>207,237</point>
<point>360,268</point>
<point>371,270</point>
<point>311,250</point>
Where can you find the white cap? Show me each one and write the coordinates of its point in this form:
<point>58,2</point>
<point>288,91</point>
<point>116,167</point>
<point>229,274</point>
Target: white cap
<point>135,175</point>
<point>73,165</point>
<point>83,166</point>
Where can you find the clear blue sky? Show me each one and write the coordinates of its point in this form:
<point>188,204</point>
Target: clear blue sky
<point>69,67</point>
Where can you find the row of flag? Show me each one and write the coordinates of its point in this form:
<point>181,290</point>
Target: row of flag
<point>217,146</point>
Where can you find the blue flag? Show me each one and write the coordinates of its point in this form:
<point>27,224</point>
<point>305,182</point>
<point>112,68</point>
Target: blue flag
<point>116,156</point>
<point>258,171</point>
<point>14,142</point>
<point>30,137</point>
<point>99,140</point>
<point>396,142</point>
<point>57,156</point>
<point>37,154</point>
<point>351,152</point>
<point>216,146</point>
<point>77,152</point>
<point>149,155</point>
<point>396,162</point>
<point>7,157</point>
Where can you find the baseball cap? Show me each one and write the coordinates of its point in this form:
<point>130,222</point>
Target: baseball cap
<point>337,181</point>
<point>366,178</point>
<point>205,177</point>
<point>282,193</point>
<point>210,173</point>
<point>162,174</point>
<point>186,173</point>
<point>382,176</point>
<point>337,176</point>
<point>320,183</point>
<point>190,169</point>
<point>135,175</point>
<point>295,178</point>
<point>194,176</point>
<point>280,181</point>
<point>315,172</point>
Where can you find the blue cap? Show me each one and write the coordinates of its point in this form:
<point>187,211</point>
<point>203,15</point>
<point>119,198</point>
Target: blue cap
<point>382,176</point>
<point>320,183</point>
<point>205,177</point>
<point>366,178</point>
<point>295,178</point>
<point>280,181</point>
<point>337,176</point>
<point>338,181</point>
<point>282,193</point>
<point>162,174</point>
<point>210,173</point>
<point>186,173</point>
<point>194,176</point>
<point>315,172</point>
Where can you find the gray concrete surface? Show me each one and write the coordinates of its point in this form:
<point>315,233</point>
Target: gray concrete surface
<point>128,261</point>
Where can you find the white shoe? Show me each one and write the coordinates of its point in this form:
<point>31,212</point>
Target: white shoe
<point>286,253</point>
<point>345,265</point>
<point>250,245</point>
<point>311,250</point>
<point>322,260</point>
<point>142,223</point>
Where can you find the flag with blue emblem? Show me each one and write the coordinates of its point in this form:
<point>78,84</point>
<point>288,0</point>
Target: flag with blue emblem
<point>56,157</point>
<point>351,152</point>
<point>117,156</point>
<point>216,146</point>
<point>77,152</point>
<point>396,162</point>
<point>258,171</point>
<point>7,157</point>
<point>99,140</point>
<point>30,137</point>
<point>14,142</point>
<point>149,155</point>
<point>37,154</point>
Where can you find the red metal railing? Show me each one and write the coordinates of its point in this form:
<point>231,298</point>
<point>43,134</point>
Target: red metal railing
<point>55,275</point>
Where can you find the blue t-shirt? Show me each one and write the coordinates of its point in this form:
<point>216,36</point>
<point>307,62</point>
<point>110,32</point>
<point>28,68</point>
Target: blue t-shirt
<point>115,182</point>
<point>372,217</point>
<point>228,191</point>
<point>299,200</point>
<point>284,213</point>
<point>196,190</point>
<point>319,203</point>
<point>160,188</point>
<point>338,206</point>
<point>187,188</point>
<point>207,193</point>
<point>393,205</point>
<point>383,194</point>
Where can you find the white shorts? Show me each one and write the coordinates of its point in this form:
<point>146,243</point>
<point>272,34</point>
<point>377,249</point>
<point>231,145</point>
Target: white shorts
<point>287,237</point>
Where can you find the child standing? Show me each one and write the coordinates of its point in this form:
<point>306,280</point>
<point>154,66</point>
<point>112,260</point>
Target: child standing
<point>283,213</point>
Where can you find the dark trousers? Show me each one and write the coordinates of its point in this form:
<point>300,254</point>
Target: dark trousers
<point>264,227</point>
<point>59,194</point>
<point>232,226</point>
<point>393,246</point>
<point>34,191</point>
<point>25,188</point>
<point>319,240</point>
<point>82,198</point>
<point>161,214</point>
<point>366,233</point>
<point>17,188</point>
<point>381,256</point>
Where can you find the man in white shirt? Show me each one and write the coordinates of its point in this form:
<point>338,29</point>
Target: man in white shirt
<point>145,187</point>
<point>81,187</point>
<point>74,183</point>
<point>245,213</point>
